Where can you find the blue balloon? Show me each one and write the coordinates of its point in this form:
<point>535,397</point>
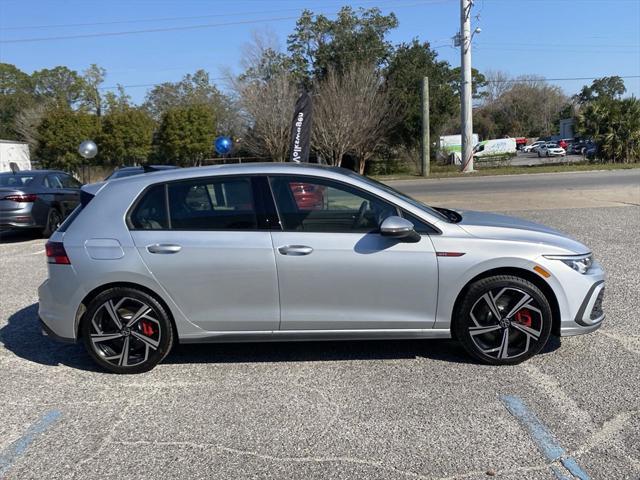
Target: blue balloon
<point>223,145</point>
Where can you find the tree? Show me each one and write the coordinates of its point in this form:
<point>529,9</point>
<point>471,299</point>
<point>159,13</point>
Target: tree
<point>126,136</point>
<point>16,93</point>
<point>60,133</point>
<point>602,88</point>
<point>195,89</point>
<point>185,136</point>
<point>497,83</point>
<point>409,63</point>
<point>93,79</point>
<point>529,107</point>
<point>59,85</point>
<point>355,36</point>
<point>268,109</point>
<point>117,100</point>
<point>352,114</point>
<point>27,122</point>
<point>262,59</point>
<point>614,125</point>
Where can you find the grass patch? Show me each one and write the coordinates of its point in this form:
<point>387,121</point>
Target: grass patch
<point>452,171</point>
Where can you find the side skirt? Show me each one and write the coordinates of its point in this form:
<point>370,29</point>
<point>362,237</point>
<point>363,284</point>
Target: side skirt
<point>313,335</point>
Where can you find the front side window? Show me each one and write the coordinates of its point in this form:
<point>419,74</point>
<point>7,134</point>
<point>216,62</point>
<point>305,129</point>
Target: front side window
<point>308,204</point>
<point>213,204</point>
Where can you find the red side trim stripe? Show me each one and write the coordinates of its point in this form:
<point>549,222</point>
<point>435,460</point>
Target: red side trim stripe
<point>450,254</point>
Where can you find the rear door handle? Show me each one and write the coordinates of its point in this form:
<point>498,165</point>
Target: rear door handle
<point>295,250</point>
<point>164,248</point>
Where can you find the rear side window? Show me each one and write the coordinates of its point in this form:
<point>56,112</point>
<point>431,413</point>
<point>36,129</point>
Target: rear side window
<point>69,182</point>
<point>213,204</point>
<point>151,211</point>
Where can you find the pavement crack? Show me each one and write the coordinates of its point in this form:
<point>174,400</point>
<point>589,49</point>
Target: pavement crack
<point>283,459</point>
<point>609,429</point>
<point>629,343</point>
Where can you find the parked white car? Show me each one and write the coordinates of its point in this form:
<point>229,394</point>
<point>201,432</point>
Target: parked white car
<point>551,150</point>
<point>533,148</point>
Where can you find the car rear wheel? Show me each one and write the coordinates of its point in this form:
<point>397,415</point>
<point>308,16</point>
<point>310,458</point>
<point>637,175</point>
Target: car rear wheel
<point>126,330</point>
<point>54,219</point>
<point>503,320</point>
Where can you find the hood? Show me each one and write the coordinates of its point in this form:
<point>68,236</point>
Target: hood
<point>502,227</point>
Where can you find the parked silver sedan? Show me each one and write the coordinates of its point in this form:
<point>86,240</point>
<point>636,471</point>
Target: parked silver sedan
<point>286,252</point>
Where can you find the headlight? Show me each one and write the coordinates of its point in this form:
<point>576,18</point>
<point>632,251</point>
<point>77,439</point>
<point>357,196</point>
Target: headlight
<point>580,263</point>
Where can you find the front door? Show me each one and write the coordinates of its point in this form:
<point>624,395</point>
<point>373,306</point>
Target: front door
<point>336,272</point>
<point>211,252</point>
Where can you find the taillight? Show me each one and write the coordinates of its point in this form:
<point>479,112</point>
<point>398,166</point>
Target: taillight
<point>56,253</point>
<point>22,197</point>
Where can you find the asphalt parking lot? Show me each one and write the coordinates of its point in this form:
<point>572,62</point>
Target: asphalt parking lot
<point>370,410</point>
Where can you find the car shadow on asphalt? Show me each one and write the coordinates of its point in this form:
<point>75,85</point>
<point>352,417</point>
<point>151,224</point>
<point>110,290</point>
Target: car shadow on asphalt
<point>23,336</point>
<point>12,236</point>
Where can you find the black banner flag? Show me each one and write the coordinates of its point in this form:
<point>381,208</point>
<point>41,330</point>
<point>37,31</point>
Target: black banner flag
<point>301,129</point>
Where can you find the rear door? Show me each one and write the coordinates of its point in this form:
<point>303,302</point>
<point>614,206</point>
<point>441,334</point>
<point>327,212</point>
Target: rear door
<point>207,242</point>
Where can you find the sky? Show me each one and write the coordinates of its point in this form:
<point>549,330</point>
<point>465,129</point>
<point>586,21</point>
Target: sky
<point>557,39</point>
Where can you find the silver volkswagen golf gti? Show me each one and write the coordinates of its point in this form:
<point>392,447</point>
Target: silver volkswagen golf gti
<point>286,252</point>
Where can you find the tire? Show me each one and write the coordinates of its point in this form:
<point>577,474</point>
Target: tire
<point>482,332</point>
<point>54,219</point>
<point>146,338</point>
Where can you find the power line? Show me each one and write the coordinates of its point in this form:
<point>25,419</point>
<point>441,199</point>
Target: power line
<point>194,17</point>
<point>179,28</point>
<point>432,85</point>
<point>531,80</point>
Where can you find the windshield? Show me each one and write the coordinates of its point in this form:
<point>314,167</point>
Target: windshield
<point>15,179</point>
<point>416,203</point>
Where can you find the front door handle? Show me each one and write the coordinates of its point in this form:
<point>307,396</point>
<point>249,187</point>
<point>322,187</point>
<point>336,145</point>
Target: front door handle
<point>295,250</point>
<point>164,248</point>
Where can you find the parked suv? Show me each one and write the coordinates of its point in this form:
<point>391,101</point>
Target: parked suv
<point>231,253</point>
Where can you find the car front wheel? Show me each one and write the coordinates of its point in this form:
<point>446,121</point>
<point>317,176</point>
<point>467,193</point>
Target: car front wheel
<point>126,330</point>
<point>503,320</point>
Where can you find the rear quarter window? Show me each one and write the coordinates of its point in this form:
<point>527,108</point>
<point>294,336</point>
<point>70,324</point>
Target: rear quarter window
<point>150,213</point>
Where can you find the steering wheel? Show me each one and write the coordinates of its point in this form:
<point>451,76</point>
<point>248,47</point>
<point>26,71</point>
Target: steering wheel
<point>359,219</point>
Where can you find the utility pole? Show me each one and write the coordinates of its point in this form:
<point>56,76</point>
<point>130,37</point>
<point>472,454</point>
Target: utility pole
<point>426,141</point>
<point>465,97</point>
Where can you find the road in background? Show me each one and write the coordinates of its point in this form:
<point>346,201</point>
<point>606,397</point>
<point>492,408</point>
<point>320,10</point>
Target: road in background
<point>375,410</point>
<point>529,191</point>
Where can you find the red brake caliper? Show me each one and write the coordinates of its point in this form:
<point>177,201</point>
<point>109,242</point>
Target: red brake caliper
<point>147,328</point>
<point>523,317</point>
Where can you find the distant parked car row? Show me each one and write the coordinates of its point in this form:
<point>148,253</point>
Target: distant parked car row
<point>562,147</point>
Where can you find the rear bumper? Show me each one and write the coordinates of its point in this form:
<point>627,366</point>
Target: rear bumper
<point>50,333</point>
<point>19,218</point>
<point>59,304</point>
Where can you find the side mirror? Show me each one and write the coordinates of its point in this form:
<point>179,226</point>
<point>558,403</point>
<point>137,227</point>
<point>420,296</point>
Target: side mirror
<point>398,227</point>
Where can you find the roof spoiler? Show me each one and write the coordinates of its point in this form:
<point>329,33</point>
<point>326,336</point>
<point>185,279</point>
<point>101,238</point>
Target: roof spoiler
<point>149,168</point>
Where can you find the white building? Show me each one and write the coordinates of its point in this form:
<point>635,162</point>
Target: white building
<point>12,152</point>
